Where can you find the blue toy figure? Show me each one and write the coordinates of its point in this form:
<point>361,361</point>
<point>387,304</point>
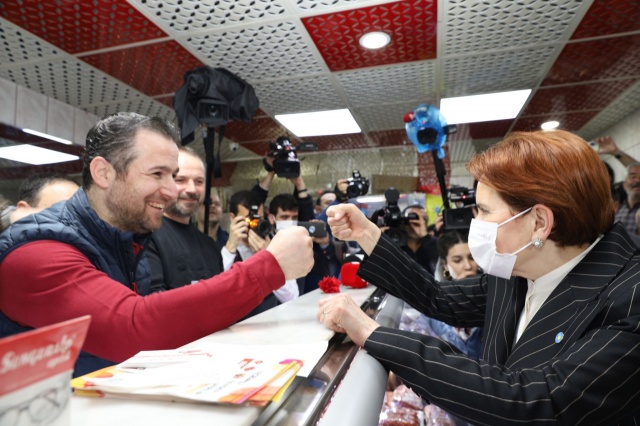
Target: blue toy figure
<point>427,129</point>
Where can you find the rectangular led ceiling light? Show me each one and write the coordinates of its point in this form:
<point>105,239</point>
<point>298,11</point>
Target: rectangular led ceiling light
<point>34,155</point>
<point>489,107</point>
<point>323,123</point>
<point>47,136</point>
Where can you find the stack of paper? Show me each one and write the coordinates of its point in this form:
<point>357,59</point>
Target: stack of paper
<point>197,374</point>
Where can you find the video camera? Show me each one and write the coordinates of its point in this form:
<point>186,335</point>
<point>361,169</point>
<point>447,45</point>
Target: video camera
<point>285,160</point>
<point>461,196</point>
<point>357,185</point>
<point>260,225</point>
<point>390,216</point>
<point>212,96</point>
<point>464,199</point>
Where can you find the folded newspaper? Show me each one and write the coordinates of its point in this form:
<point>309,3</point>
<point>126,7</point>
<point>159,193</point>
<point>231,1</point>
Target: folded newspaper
<point>196,375</point>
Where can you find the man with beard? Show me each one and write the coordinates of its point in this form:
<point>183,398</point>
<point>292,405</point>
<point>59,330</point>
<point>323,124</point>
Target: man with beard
<point>178,252</point>
<point>82,257</point>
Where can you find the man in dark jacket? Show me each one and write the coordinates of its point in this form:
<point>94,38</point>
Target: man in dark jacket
<point>178,253</point>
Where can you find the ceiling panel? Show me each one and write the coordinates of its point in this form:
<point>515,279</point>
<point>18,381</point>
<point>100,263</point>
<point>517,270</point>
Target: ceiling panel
<point>597,60</point>
<point>185,17</point>
<point>495,71</point>
<point>385,85</point>
<point>485,130</point>
<point>259,51</point>
<point>261,128</point>
<point>608,18</point>
<point>580,58</point>
<point>572,121</point>
<point>80,26</point>
<point>576,97</point>
<point>69,80</point>
<point>411,25</point>
<point>477,26</point>
<point>153,69</point>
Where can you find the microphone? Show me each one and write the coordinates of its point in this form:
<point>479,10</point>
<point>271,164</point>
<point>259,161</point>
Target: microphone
<point>348,275</point>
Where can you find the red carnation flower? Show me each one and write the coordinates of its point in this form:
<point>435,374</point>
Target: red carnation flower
<point>329,285</point>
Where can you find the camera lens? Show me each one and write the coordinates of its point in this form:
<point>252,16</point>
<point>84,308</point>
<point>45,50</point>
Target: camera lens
<point>212,110</point>
<point>427,136</point>
<point>353,190</point>
<point>263,228</point>
<point>398,236</point>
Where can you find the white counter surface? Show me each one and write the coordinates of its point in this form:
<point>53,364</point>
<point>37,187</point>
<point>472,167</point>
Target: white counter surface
<point>292,322</point>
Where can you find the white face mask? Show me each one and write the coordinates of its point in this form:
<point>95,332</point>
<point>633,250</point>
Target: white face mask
<point>284,224</point>
<point>482,244</point>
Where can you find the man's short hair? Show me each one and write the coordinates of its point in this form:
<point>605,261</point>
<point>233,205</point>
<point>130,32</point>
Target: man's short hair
<point>284,202</point>
<point>31,187</point>
<point>112,138</point>
<point>323,193</point>
<point>243,198</point>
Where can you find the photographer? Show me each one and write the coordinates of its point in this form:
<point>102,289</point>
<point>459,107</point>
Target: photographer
<point>250,233</point>
<point>408,230</point>
<point>420,246</point>
<point>305,202</point>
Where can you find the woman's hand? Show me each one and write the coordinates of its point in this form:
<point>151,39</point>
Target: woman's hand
<point>340,313</point>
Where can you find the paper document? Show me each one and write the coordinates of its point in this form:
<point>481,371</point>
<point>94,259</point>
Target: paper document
<point>209,372</point>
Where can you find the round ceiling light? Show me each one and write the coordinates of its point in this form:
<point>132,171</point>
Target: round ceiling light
<point>375,40</point>
<point>549,125</point>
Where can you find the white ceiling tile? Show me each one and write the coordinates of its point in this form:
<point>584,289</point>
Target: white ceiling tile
<point>477,26</point>
<point>389,84</point>
<point>496,71</point>
<point>257,52</point>
<point>21,46</point>
<point>298,95</point>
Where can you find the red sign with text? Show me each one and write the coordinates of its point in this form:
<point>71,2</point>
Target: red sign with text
<point>36,355</point>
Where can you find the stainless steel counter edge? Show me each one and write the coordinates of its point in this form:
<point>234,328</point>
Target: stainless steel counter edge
<point>358,399</point>
<point>346,387</point>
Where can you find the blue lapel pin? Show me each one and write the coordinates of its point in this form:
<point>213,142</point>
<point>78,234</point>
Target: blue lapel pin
<point>559,337</point>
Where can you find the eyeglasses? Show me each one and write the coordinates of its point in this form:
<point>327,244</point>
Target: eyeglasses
<point>43,408</point>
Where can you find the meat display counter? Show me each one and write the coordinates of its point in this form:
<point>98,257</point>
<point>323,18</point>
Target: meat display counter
<point>345,387</point>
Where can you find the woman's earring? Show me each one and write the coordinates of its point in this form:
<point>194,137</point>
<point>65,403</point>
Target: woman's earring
<point>537,243</point>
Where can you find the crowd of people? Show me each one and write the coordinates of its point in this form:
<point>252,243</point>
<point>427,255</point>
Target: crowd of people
<point>529,312</point>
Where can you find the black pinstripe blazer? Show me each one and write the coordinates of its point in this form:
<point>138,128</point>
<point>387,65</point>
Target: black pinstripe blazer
<point>577,362</point>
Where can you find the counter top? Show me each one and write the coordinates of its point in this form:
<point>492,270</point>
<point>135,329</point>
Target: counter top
<point>292,322</point>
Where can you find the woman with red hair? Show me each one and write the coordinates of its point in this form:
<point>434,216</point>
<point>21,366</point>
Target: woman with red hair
<point>557,299</point>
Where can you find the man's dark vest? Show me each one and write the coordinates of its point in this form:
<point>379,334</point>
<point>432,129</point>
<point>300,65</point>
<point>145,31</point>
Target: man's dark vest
<point>109,249</point>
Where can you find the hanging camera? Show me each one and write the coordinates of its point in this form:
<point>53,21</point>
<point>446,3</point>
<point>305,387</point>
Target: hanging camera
<point>212,113</point>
